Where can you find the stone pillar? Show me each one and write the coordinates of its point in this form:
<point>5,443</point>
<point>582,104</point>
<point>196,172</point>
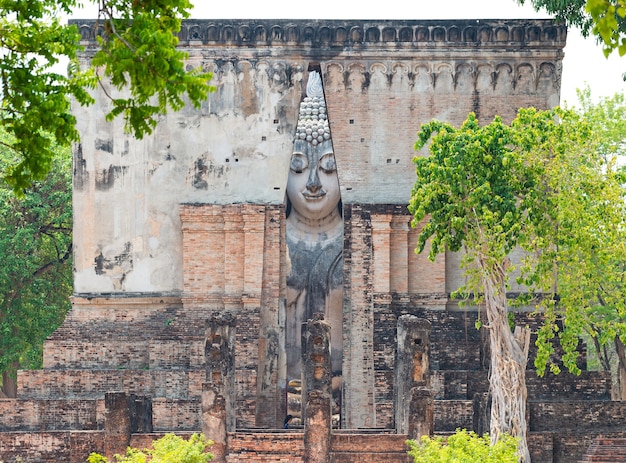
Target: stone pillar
<point>421,413</point>
<point>117,424</point>
<point>413,398</point>
<point>317,426</point>
<point>140,413</point>
<point>482,413</point>
<point>218,392</point>
<point>316,390</point>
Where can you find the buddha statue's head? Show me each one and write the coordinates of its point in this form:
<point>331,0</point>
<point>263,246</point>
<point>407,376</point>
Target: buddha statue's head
<point>313,186</point>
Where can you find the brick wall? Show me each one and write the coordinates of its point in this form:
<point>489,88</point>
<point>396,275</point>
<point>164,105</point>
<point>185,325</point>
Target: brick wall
<point>50,447</point>
<point>233,259</point>
<point>51,415</point>
<point>266,447</point>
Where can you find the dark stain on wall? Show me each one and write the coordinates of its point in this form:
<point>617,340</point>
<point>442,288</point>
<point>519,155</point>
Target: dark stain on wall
<point>202,171</point>
<point>199,174</point>
<point>105,179</point>
<point>476,103</point>
<point>81,174</point>
<point>104,145</point>
<point>122,261</point>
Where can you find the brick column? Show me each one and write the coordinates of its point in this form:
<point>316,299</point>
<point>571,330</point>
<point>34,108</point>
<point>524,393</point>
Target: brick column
<point>381,244</point>
<point>203,255</point>
<point>117,424</point>
<point>316,390</point>
<point>234,265</point>
<point>358,409</point>
<point>425,277</point>
<point>271,404</point>
<point>218,392</point>
<point>413,397</point>
<point>399,258</point>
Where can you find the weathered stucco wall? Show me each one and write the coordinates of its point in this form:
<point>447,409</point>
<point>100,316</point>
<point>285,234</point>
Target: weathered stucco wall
<point>382,79</point>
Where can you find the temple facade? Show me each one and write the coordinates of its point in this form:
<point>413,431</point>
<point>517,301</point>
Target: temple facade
<point>206,254</point>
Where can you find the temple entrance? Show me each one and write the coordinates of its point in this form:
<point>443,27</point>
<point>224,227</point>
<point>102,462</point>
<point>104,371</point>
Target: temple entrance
<point>314,243</point>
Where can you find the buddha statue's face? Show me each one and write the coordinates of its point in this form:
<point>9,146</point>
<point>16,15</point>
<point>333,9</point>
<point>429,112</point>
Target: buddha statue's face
<point>313,186</point>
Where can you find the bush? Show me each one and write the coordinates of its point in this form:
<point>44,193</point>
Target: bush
<point>168,449</point>
<point>463,447</point>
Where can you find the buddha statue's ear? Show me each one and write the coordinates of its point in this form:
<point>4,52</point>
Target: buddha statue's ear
<point>288,206</point>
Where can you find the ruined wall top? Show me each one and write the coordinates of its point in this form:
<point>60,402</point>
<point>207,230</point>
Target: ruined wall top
<point>325,38</point>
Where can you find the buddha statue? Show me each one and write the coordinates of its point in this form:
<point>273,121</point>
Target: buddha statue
<point>314,231</point>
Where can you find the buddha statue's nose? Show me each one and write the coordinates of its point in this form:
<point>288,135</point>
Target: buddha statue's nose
<point>313,184</point>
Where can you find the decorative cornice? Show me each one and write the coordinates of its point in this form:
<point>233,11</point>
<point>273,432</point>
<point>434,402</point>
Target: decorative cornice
<point>345,34</point>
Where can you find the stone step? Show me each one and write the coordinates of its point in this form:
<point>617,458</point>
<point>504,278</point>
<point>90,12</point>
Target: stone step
<point>606,450</point>
<point>464,384</point>
<point>266,446</point>
<point>452,414</point>
<point>51,415</point>
<point>92,384</point>
<point>589,385</point>
<point>50,447</point>
<point>44,415</point>
<point>138,318</point>
<point>105,353</point>
<point>174,415</point>
<point>577,416</point>
<point>354,447</point>
<point>370,457</point>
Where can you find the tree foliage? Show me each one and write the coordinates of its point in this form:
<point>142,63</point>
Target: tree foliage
<point>168,449</point>
<point>463,447</point>
<point>36,271</point>
<point>591,278</point>
<point>487,190</point>
<point>606,19</point>
<point>137,55</point>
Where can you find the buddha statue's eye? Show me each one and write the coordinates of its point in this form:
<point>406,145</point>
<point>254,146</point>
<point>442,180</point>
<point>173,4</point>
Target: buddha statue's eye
<point>299,163</point>
<point>327,163</point>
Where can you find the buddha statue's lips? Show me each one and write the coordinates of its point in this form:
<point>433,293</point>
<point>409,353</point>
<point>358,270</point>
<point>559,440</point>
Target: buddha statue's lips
<point>314,196</point>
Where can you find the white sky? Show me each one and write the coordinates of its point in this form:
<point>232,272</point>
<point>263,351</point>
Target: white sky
<point>584,61</point>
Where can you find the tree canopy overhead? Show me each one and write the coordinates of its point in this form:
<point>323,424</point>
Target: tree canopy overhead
<point>606,19</point>
<point>137,53</point>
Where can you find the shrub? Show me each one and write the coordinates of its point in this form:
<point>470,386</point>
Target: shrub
<point>463,447</point>
<point>168,449</point>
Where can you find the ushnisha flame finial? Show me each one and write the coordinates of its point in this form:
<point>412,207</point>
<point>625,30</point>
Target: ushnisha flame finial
<point>312,121</point>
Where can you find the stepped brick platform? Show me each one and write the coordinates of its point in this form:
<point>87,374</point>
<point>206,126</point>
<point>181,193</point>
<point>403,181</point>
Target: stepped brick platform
<point>60,413</point>
<point>606,450</point>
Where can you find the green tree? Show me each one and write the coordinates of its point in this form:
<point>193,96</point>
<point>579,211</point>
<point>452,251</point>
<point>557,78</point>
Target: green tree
<point>463,447</point>
<point>592,255</point>
<point>137,55</point>
<point>606,19</point>
<point>36,271</point>
<point>168,449</point>
<point>486,191</point>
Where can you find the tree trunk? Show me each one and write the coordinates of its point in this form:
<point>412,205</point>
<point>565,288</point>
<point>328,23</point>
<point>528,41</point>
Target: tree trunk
<point>621,368</point>
<point>509,356</point>
<point>9,382</point>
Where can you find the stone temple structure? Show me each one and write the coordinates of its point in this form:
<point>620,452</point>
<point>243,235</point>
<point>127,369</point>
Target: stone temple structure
<point>261,245</point>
